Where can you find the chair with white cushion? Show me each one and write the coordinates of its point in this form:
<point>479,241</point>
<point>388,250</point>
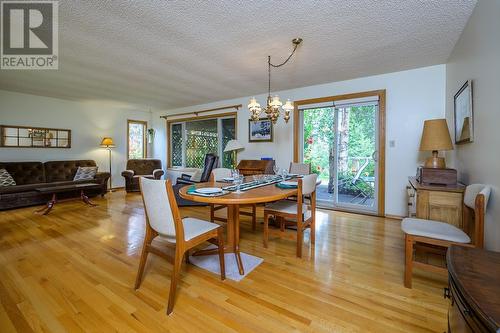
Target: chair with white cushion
<point>217,175</point>
<point>163,220</point>
<point>435,233</point>
<point>299,168</point>
<point>303,216</point>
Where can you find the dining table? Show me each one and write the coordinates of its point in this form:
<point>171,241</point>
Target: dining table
<point>233,200</point>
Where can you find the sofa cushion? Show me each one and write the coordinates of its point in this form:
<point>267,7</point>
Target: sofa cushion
<point>25,172</point>
<point>6,179</point>
<point>64,170</point>
<point>85,173</point>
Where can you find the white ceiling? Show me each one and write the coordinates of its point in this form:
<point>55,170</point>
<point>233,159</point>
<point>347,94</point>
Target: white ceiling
<point>166,54</point>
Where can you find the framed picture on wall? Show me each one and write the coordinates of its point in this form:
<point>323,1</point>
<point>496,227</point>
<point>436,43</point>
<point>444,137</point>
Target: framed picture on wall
<point>260,130</point>
<point>464,118</point>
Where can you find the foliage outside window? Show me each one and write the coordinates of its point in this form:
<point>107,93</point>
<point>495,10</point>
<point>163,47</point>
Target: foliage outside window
<point>355,135</point>
<point>192,140</point>
<point>137,139</point>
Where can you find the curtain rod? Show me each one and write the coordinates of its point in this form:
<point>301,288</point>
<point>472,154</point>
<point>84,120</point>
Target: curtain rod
<point>236,106</point>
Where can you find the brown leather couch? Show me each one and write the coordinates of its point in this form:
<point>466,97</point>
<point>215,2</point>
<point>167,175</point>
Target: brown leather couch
<point>136,168</point>
<point>32,175</point>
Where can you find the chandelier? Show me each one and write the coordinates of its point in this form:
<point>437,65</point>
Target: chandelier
<point>274,105</point>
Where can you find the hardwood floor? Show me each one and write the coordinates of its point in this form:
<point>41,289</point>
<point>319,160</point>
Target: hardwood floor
<point>74,270</point>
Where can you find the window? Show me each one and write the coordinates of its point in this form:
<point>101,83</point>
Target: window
<point>191,140</point>
<point>136,140</point>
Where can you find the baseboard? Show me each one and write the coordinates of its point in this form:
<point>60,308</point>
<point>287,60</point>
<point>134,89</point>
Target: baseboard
<point>394,217</point>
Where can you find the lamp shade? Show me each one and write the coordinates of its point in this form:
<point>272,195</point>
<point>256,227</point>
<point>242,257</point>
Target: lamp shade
<point>435,136</point>
<point>233,145</point>
<point>107,143</point>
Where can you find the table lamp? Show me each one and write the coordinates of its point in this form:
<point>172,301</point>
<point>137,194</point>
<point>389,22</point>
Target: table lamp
<point>108,144</point>
<point>435,137</point>
<point>234,146</point>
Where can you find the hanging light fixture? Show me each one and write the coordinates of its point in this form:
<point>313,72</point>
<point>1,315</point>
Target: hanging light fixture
<point>274,105</point>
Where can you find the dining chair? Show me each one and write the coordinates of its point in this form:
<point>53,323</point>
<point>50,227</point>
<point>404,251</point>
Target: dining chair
<point>164,220</point>
<point>303,216</point>
<point>299,168</point>
<point>443,235</point>
<point>219,174</point>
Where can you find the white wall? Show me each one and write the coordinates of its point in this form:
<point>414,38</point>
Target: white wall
<point>88,122</point>
<point>412,97</point>
<point>476,56</point>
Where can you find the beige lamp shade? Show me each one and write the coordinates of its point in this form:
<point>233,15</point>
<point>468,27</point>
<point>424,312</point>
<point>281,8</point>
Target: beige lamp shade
<point>233,145</point>
<point>435,136</point>
<point>107,143</point>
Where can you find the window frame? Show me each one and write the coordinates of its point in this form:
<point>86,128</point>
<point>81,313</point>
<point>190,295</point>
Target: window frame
<point>144,123</point>
<point>218,117</point>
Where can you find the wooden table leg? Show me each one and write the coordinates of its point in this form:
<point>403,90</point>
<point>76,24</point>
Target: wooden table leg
<point>233,234</point>
<point>48,206</point>
<point>86,199</point>
<point>232,244</point>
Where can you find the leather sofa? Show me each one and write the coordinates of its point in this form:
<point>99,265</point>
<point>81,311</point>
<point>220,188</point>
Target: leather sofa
<point>32,175</point>
<point>136,168</point>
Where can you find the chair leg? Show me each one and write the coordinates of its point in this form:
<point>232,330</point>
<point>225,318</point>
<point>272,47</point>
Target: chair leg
<point>174,279</point>
<point>408,260</point>
<point>254,217</point>
<point>148,238</point>
<point>312,230</point>
<point>186,256</point>
<point>300,238</point>
<point>266,229</point>
<point>212,213</point>
<point>281,221</point>
<point>220,243</point>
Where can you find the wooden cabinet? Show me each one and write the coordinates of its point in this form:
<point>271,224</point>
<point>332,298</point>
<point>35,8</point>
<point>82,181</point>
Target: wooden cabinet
<point>256,167</point>
<point>473,290</point>
<point>434,202</point>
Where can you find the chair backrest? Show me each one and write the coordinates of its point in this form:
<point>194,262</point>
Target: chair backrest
<point>219,174</point>
<point>143,166</point>
<point>475,200</point>
<point>300,168</point>
<point>160,206</point>
<point>211,162</point>
<point>471,193</point>
<point>309,184</point>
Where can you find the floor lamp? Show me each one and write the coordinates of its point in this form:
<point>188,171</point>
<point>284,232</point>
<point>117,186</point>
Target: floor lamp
<point>109,144</point>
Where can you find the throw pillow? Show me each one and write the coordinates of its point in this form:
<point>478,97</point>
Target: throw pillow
<point>85,173</point>
<point>6,179</point>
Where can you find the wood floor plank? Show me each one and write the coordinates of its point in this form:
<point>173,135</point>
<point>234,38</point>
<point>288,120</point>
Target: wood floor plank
<point>74,270</point>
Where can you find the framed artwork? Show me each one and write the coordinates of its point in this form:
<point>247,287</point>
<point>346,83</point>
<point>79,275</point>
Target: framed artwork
<point>464,118</point>
<point>260,130</point>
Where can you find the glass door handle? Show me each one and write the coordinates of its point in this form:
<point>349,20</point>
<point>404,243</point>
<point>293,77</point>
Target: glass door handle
<point>375,156</point>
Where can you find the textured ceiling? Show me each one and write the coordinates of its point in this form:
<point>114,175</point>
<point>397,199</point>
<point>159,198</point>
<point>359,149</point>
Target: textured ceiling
<point>166,54</point>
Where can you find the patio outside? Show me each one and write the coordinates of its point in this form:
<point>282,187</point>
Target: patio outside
<point>356,145</point>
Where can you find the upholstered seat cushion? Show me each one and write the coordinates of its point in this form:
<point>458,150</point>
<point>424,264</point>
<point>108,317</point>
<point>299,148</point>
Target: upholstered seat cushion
<point>434,229</point>
<point>193,227</point>
<point>288,207</point>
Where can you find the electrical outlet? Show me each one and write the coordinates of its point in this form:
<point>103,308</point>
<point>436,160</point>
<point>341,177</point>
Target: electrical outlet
<point>392,143</point>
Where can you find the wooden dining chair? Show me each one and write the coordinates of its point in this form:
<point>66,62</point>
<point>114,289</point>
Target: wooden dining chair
<point>164,220</point>
<point>303,216</point>
<point>442,235</point>
<point>218,175</point>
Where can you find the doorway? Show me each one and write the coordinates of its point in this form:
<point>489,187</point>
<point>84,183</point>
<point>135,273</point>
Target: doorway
<point>341,139</point>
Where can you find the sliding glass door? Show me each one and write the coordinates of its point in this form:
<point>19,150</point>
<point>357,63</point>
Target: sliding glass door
<point>340,141</point>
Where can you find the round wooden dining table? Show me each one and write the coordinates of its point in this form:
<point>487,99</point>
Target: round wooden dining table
<point>233,201</point>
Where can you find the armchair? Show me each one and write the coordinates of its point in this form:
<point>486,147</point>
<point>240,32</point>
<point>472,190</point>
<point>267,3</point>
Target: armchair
<point>211,162</point>
<point>136,168</point>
